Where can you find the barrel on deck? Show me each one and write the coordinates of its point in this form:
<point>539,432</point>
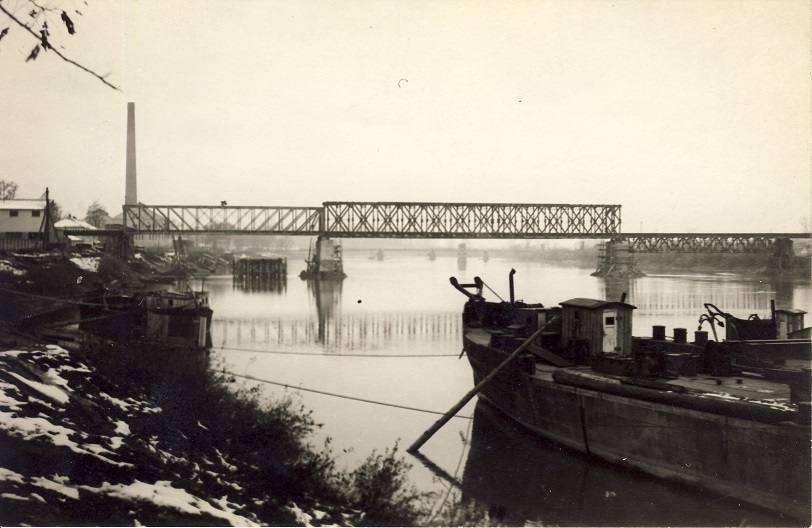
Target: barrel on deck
<point>658,333</point>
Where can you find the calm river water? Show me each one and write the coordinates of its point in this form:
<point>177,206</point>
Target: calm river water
<point>390,333</point>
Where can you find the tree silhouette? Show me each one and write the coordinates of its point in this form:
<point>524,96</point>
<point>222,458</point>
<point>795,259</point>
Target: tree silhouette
<point>96,215</point>
<point>8,190</point>
<point>36,24</point>
<point>56,211</point>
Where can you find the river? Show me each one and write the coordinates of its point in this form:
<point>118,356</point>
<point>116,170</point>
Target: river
<point>390,334</point>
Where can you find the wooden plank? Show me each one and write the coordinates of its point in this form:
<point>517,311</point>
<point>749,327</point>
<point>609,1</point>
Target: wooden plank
<point>548,356</point>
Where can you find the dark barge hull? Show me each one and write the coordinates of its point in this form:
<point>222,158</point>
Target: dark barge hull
<point>763,461</point>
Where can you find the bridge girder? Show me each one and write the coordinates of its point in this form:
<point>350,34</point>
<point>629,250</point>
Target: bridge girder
<point>384,219</point>
<point>469,220</point>
<point>169,219</point>
<point>698,243</point>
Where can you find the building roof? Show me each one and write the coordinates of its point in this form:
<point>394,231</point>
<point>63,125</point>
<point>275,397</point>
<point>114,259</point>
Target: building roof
<point>72,223</point>
<point>593,304</point>
<point>32,205</point>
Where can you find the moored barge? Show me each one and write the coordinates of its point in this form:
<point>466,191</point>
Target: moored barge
<point>730,416</point>
<point>165,318</point>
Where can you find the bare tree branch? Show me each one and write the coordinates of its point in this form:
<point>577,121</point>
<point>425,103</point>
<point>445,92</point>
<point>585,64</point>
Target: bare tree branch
<point>61,56</point>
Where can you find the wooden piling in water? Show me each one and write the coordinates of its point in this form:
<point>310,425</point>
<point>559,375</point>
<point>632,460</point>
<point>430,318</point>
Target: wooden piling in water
<point>260,268</point>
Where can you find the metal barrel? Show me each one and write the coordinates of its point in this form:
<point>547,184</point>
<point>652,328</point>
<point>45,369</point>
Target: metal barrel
<point>658,332</point>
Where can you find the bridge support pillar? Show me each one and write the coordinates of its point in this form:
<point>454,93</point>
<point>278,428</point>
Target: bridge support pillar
<point>782,259</point>
<point>616,259</point>
<point>325,262</point>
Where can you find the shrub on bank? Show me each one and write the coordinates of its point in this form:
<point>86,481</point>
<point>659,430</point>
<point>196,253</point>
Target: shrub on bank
<point>226,440</point>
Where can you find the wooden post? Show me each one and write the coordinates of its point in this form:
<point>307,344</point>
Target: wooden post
<point>473,392</point>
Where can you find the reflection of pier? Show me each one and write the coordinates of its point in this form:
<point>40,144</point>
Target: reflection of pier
<point>327,294</point>
<point>343,330</point>
<point>261,284</point>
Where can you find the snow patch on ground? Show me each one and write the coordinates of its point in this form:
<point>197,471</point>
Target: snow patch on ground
<point>12,496</point>
<point>48,391</point>
<point>58,487</point>
<point>9,267</point>
<point>55,378</point>
<point>122,428</point>
<point>87,263</point>
<point>161,493</point>
<point>9,475</point>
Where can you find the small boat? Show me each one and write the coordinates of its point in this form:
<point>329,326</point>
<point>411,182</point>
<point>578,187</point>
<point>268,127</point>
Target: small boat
<point>704,412</point>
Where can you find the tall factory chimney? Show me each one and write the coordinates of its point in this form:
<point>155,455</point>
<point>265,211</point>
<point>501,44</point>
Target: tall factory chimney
<point>131,193</point>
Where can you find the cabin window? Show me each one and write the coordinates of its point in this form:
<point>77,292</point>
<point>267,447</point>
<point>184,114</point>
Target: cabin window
<point>14,213</point>
<point>34,236</point>
<point>35,214</point>
<point>610,321</point>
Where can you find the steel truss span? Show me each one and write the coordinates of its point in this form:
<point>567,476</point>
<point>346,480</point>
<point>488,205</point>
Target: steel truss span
<point>469,220</point>
<point>707,243</point>
<point>383,219</point>
<point>225,219</point>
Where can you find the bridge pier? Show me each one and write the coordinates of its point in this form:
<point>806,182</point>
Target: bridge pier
<point>325,262</point>
<point>616,259</point>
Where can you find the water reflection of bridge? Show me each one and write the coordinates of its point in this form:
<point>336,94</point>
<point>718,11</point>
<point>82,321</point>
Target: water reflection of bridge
<point>347,331</point>
<point>734,296</point>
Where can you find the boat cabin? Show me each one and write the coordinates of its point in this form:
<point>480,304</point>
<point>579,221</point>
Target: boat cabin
<point>178,318</point>
<point>788,322</point>
<point>603,327</point>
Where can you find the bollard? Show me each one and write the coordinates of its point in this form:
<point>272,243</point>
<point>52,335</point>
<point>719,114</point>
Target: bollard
<point>700,337</point>
<point>680,335</point>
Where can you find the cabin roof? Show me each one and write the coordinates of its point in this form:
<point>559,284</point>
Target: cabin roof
<point>790,311</point>
<point>594,304</point>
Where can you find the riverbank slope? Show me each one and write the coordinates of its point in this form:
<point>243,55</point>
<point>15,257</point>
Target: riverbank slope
<point>127,435</point>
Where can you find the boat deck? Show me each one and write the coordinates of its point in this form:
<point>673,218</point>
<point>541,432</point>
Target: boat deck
<point>742,386</point>
<point>746,385</point>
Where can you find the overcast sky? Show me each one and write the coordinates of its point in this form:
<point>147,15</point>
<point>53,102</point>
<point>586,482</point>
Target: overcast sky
<point>691,115</point>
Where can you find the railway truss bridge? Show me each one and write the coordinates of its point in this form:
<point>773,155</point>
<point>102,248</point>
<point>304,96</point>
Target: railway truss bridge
<point>451,220</point>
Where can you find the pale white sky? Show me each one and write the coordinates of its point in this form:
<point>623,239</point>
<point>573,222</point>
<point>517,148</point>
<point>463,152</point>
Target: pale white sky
<point>693,115</point>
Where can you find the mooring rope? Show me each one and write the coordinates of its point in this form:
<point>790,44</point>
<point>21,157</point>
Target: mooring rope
<point>323,354</point>
<point>493,292</point>
<point>54,299</point>
<point>343,396</point>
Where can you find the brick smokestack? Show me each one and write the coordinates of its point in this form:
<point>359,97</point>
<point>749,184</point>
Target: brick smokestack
<point>131,192</point>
